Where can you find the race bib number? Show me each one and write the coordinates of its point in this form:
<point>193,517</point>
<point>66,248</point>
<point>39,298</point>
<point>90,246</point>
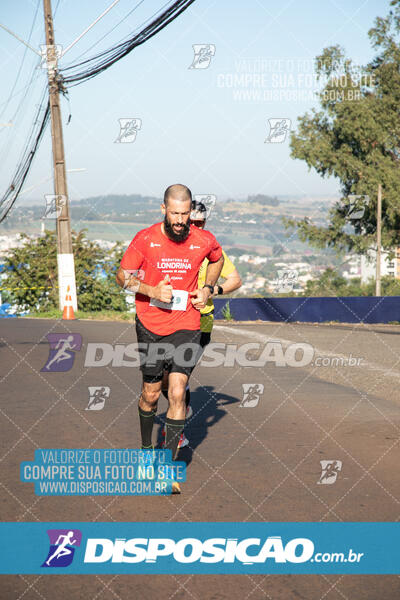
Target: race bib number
<point>178,302</point>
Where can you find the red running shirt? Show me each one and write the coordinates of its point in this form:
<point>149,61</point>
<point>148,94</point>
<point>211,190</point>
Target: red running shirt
<point>156,255</point>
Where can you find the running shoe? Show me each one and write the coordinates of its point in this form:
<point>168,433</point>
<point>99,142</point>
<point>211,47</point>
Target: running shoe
<point>183,441</point>
<point>173,486</point>
<point>176,488</point>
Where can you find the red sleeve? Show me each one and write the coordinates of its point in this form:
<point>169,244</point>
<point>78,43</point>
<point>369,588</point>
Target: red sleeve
<point>133,257</point>
<point>215,251</point>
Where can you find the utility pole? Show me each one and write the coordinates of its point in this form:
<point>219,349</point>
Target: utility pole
<point>378,242</point>
<point>65,257</point>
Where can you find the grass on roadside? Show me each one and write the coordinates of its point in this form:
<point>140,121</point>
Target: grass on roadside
<point>226,312</point>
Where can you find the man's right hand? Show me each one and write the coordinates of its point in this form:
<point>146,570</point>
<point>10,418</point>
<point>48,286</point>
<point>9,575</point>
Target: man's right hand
<point>163,290</point>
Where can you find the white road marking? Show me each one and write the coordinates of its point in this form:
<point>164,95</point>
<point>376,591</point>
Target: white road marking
<point>261,337</point>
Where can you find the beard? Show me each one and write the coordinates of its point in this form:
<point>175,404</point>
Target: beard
<point>173,235</point>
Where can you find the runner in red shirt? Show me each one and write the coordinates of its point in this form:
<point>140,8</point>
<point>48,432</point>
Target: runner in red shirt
<point>161,265</point>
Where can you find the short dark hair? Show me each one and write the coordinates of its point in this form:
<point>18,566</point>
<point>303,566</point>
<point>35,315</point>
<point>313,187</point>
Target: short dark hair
<point>200,210</point>
<point>177,189</point>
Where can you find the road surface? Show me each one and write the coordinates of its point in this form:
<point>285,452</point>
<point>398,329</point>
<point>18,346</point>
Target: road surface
<point>259,462</point>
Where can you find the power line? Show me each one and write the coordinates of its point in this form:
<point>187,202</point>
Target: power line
<point>24,165</point>
<point>22,61</point>
<point>102,61</point>
<point>56,8</point>
<point>115,26</point>
<point>7,142</point>
<point>19,39</point>
<point>68,48</point>
<point>143,23</point>
<point>99,63</point>
<point>18,92</point>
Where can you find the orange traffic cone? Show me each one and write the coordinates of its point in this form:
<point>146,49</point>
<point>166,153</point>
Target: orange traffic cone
<point>68,312</point>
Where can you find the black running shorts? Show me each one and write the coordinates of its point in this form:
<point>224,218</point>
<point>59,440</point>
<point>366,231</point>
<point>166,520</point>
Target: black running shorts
<point>177,352</point>
<point>205,338</point>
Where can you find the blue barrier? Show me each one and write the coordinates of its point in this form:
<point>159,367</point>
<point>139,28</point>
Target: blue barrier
<point>347,309</point>
<point>4,314</point>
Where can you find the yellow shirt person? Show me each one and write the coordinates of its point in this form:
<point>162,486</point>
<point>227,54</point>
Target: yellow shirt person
<point>207,316</point>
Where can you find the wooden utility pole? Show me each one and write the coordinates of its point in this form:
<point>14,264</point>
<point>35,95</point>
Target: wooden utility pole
<point>378,242</point>
<point>65,257</point>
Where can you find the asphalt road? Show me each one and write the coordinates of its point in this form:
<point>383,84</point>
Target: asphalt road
<point>259,462</point>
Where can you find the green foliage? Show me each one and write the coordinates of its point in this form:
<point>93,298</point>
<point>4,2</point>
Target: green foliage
<point>332,284</point>
<point>226,311</point>
<point>31,274</point>
<point>355,137</point>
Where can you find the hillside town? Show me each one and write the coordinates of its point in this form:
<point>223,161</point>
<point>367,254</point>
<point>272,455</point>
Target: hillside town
<point>267,274</point>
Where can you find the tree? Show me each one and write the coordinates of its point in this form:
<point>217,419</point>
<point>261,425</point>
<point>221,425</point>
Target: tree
<point>330,283</point>
<point>355,137</point>
<point>31,274</point>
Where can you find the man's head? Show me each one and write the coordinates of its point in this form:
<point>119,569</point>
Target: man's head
<point>198,215</point>
<point>176,209</point>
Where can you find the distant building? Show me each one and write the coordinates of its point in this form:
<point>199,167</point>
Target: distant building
<point>352,266</point>
<point>7,242</point>
<point>389,268</point>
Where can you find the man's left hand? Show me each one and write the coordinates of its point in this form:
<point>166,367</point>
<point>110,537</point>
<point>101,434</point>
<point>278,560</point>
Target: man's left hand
<point>200,297</point>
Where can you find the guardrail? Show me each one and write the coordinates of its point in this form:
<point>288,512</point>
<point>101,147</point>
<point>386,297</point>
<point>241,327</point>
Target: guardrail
<point>346,309</point>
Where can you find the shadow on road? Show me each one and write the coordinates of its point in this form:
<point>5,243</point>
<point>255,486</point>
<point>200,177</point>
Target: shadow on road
<point>207,405</point>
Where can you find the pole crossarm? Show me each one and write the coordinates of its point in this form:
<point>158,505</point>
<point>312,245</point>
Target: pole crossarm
<point>89,28</point>
<point>20,39</point>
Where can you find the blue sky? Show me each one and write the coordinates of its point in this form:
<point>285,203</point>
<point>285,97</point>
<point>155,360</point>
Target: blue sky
<point>202,127</point>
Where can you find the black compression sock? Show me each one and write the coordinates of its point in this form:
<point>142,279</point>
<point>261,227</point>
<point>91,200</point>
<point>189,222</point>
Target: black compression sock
<point>146,418</point>
<point>173,430</point>
<point>187,397</point>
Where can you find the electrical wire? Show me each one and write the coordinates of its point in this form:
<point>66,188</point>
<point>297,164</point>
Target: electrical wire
<point>102,61</point>
<point>10,134</point>
<point>24,165</point>
<point>98,64</point>
<point>22,62</point>
<point>112,29</point>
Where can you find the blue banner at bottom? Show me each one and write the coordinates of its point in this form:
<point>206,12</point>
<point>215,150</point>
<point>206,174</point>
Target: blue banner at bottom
<point>211,548</point>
